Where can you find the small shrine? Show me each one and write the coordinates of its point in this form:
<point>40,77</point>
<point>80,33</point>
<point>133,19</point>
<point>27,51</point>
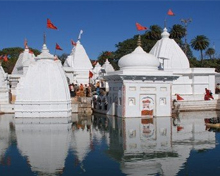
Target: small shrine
<point>43,92</point>
<point>191,81</point>
<point>20,69</point>
<point>23,62</point>
<point>4,87</point>
<point>78,65</point>
<point>139,88</point>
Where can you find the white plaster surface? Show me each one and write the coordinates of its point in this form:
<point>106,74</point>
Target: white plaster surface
<point>80,62</point>
<point>44,91</point>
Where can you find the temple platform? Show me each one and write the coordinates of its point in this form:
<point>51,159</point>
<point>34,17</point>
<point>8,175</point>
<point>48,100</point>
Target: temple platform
<point>83,105</point>
<point>197,103</point>
<point>7,109</point>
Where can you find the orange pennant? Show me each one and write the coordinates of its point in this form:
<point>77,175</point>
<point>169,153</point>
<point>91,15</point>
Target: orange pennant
<point>140,27</point>
<point>170,12</point>
<point>50,25</point>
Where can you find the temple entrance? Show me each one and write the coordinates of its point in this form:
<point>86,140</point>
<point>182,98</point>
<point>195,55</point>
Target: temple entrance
<point>147,105</point>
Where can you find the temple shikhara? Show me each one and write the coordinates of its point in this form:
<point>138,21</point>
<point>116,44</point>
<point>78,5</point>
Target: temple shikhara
<point>146,84</point>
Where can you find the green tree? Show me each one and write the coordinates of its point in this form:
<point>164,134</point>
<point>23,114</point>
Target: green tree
<point>210,52</point>
<point>154,33</point>
<point>200,43</point>
<point>148,40</point>
<point>63,57</point>
<point>177,32</point>
<point>111,58</point>
<point>125,47</point>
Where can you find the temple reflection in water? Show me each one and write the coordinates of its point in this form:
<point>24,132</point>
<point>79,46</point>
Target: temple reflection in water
<point>138,146</point>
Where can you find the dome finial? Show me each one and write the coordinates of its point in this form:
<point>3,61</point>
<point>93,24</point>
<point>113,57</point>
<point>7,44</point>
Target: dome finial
<point>165,34</point>
<point>80,33</point>
<point>44,38</point>
<point>139,40</point>
<point>25,44</point>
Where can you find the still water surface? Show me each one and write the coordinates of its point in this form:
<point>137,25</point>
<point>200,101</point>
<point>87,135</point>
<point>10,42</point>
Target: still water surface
<point>101,145</point>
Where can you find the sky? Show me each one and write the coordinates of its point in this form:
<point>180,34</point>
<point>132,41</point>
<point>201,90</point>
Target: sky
<point>104,23</point>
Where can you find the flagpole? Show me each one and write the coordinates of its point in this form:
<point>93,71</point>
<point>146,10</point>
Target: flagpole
<point>44,38</point>
<point>165,22</point>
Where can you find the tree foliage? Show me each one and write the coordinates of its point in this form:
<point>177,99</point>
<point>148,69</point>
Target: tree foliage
<point>200,43</point>
<point>63,57</point>
<point>110,56</point>
<point>210,52</point>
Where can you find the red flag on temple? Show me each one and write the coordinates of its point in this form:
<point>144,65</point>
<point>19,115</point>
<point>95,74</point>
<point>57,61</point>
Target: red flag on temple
<point>5,58</point>
<point>58,47</point>
<point>170,13</point>
<point>90,74</point>
<point>73,43</point>
<point>140,27</point>
<point>179,128</point>
<point>179,97</point>
<point>50,25</point>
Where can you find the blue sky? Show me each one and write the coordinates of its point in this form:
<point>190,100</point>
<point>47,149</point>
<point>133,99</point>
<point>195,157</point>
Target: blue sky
<point>105,23</point>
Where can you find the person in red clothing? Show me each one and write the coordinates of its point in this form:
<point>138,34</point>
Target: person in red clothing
<point>208,95</point>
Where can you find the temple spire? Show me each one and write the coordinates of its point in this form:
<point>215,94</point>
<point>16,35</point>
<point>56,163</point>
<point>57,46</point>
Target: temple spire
<point>80,33</point>
<point>25,44</point>
<point>44,39</point>
<point>139,40</point>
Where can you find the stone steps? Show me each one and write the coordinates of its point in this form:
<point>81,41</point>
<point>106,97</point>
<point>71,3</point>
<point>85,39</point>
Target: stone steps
<point>81,105</point>
<point>198,105</point>
<point>7,108</point>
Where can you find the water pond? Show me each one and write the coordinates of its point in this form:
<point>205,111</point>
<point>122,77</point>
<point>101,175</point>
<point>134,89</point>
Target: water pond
<point>102,145</point>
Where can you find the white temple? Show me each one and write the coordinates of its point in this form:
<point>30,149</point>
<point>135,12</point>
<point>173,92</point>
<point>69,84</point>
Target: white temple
<point>107,67</point>
<point>20,69</point>
<point>24,60</point>
<point>139,88</point>
<point>4,87</point>
<point>100,71</point>
<point>96,71</point>
<point>44,91</point>
<point>78,65</point>
<point>191,81</point>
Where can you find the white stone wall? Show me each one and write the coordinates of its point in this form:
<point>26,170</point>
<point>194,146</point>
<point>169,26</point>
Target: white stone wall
<point>4,89</point>
<point>114,108</point>
<point>159,92</point>
<point>125,98</point>
<point>194,81</point>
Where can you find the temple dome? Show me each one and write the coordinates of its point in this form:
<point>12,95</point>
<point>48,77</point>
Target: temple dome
<point>24,60</point>
<point>138,59</point>
<point>107,66</point>
<point>168,50</point>
<point>78,59</point>
<point>45,84</point>
<point>97,68</point>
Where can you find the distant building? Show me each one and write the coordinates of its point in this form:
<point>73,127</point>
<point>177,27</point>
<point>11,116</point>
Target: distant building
<point>191,81</point>
<point>20,69</point>
<point>78,65</point>
<point>4,87</point>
